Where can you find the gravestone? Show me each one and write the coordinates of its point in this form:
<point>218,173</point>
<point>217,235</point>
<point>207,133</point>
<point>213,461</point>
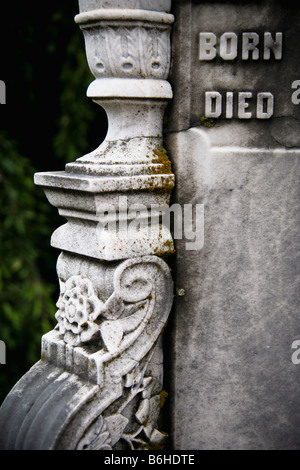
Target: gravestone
<point>232,343</point>
<point>234,141</point>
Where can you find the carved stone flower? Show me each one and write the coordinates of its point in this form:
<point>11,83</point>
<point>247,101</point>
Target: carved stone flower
<point>78,305</point>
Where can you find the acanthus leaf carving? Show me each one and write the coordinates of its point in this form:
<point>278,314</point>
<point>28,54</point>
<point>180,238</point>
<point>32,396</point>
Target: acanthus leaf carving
<point>128,51</point>
<point>112,332</point>
<point>116,430</point>
<point>97,437</point>
<point>129,57</point>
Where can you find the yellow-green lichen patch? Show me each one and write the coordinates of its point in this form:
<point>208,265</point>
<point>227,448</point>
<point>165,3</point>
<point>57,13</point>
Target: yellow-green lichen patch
<point>162,399</point>
<point>207,122</point>
<point>160,156</point>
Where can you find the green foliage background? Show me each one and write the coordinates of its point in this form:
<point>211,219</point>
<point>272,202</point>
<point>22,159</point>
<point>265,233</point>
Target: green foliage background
<point>46,122</point>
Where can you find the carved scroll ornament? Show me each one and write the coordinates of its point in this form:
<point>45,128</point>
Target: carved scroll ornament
<point>105,385</point>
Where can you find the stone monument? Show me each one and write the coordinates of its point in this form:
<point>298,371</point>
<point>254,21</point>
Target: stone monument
<point>99,383</point>
<point>216,86</point>
<point>234,142</point>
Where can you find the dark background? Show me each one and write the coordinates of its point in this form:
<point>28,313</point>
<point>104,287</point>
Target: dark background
<point>46,122</point>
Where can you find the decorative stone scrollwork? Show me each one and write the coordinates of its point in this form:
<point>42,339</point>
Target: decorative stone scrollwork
<point>82,317</point>
<point>127,429</point>
<point>128,321</point>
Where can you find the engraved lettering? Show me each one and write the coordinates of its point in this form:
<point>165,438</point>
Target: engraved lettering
<point>213,104</point>
<point>216,104</point>
<point>228,46</point>
<point>265,105</point>
<point>274,45</point>
<point>252,45</point>
<point>229,105</point>
<point>207,42</point>
<point>249,43</point>
<point>243,105</point>
<point>296,94</point>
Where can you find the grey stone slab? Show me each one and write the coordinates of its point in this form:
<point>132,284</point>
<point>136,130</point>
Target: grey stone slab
<point>236,313</point>
<point>235,383</point>
<point>191,77</point>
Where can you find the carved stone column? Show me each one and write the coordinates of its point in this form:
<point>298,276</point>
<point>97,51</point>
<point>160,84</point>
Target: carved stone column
<point>99,382</point>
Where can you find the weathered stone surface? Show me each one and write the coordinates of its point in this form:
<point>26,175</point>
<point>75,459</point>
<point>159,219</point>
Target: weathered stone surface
<point>192,77</point>
<point>235,385</point>
<point>128,51</point>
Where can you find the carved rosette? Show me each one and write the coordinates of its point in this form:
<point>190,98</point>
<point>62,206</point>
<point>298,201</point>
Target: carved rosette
<point>78,306</point>
<point>103,390</point>
<point>129,319</point>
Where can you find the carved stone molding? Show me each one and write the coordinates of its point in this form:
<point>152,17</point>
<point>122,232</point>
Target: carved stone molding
<point>121,49</point>
<point>128,52</point>
<point>132,159</point>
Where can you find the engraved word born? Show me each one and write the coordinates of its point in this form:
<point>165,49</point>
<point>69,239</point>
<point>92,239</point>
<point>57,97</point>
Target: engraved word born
<point>229,46</point>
